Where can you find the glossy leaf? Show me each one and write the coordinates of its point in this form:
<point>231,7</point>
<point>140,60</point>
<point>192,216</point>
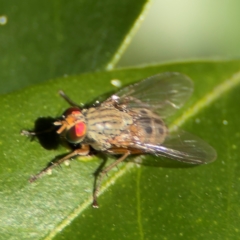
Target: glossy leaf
<point>137,201</point>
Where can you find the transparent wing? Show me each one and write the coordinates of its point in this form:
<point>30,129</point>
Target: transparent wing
<point>163,93</point>
<point>184,147</point>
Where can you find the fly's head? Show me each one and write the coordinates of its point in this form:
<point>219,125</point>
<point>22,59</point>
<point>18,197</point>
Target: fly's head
<point>73,125</point>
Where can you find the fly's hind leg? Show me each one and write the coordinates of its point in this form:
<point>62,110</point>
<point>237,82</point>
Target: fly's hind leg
<point>103,173</point>
<point>83,151</point>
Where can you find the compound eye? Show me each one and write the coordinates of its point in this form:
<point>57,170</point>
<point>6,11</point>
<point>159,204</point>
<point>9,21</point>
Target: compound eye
<point>71,110</point>
<point>76,133</point>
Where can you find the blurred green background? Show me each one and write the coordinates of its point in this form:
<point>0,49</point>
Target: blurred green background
<point>45,40</point>
<point>42,40</point>
<point>176,30</point>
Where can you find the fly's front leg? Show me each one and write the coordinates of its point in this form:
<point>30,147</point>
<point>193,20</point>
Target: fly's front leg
<point>67,99</point>
<point>33,133</point>
<point>103,173</point>
<point>83,151</point>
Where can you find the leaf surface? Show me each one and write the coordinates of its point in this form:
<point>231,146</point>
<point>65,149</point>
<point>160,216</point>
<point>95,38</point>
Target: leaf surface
<point>136,201</point>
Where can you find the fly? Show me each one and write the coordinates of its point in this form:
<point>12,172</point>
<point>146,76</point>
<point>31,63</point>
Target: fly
<point>133,121</point>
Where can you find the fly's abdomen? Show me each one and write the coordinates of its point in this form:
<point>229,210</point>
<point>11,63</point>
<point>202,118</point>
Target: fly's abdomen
<point>150,128</point>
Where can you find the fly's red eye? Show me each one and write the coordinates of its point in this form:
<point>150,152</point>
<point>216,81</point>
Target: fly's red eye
<point>80,129</point>
<point>71,110</point>
<point>76,132</point>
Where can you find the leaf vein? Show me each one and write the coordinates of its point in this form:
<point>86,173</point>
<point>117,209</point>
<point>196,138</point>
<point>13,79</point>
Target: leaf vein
<point>218,91</point>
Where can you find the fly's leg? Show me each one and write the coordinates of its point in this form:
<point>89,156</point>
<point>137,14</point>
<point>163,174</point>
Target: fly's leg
<point>67,99</point>
<point>32,133</point>
<point>97,172</point>
<point>82,152</point>
<point>103,173</point>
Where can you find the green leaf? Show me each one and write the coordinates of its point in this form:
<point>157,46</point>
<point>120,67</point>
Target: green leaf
<point>41,40</point>
<point>136,201</point>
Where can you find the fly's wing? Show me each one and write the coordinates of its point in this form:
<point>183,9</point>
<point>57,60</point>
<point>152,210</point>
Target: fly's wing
<point>163,93</point>
<point>184,147</point>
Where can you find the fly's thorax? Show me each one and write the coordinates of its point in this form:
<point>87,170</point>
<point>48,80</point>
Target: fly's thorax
<point>148,127</point>
<point>104,123</point>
